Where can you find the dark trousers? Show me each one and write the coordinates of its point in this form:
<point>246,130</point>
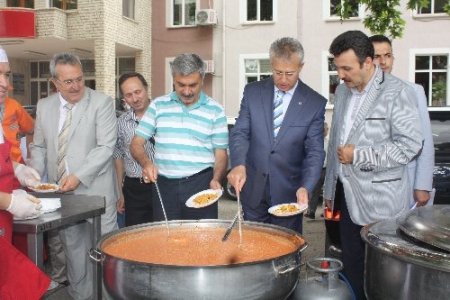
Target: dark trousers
<point>138,201</point>
<point>175,193</point>
<point>316,193</point>
<point>353,251</point>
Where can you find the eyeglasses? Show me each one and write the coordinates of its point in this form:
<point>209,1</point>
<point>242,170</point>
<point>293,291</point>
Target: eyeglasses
<point>70,82</point>
<point>288,74</point>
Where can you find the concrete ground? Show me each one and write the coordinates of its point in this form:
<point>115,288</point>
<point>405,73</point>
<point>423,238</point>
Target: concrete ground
<point>313,232</point>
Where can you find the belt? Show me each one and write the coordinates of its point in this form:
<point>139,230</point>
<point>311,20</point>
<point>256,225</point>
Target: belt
<point>190,176</point>
<point>136,179</point>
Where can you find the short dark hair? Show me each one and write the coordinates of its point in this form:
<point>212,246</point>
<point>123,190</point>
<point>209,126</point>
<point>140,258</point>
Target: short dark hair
<point>355,40</point>
<point>126,76</point>
<point>379,38</point>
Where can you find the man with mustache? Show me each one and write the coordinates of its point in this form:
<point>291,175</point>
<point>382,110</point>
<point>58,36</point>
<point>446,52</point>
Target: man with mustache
<point>81,162</point>
<point>191,140</point>
<point>375,133</point>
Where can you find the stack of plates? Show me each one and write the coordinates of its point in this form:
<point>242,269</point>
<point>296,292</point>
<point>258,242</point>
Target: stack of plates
<point>50,204</point>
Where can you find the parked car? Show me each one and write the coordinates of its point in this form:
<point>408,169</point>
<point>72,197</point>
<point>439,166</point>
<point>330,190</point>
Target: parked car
<point>440,124</point>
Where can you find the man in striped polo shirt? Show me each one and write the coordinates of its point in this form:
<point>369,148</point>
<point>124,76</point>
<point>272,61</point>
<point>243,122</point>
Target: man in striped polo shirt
<point>191,140</point>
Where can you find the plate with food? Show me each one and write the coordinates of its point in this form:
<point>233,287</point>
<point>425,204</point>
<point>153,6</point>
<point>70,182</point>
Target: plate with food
<point>45,188</point>
<point>287,209</point>
<point>204,198</point>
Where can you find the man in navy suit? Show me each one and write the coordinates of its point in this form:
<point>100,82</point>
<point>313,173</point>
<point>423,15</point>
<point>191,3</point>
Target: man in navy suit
<point>279,161</point>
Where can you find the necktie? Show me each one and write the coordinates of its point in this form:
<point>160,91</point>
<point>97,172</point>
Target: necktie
<point>63,139</point>
<point>278,112</point>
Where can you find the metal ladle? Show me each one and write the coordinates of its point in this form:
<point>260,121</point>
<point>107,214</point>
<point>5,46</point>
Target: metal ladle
<point>238,218</point>
<point>228,231</point>
<point>162,205</point>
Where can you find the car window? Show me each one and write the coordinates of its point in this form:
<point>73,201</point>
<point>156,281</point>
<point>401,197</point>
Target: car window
<point>440,127</point>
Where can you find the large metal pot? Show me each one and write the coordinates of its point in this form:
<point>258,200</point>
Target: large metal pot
<point>274,278</point>
<point>400,267</point>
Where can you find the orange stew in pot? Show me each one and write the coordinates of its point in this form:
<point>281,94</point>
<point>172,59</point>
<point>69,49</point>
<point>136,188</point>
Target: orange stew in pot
<point>199,246</point>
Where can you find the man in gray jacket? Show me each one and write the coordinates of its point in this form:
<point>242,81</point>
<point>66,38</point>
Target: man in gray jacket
<point>375,132</point>
<point>81,161</point>
<point>420,170</point>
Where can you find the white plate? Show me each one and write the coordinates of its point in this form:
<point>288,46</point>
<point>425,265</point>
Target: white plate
<point>191,203</point>
<point>36,188</point>
<point>50,204</point>
<point>29,218</point>
<point>276,209</point>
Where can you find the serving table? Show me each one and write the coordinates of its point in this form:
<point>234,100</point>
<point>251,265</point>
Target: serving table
<point>74,208</point>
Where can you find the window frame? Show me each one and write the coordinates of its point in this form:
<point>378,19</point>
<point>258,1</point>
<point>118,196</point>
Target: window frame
<point>242,73</point>
<point>326,73</point>
<point>22,4</point>
<point>64,4</point>
<point>243,13</point>
<point>432,14</point>
<point>412,72</point>
<point>170,11</point>
<point>131,9</point>
<point>328,17</point>
<point>119,71</point>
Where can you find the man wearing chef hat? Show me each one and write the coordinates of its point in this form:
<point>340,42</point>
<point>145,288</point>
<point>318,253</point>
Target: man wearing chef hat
<point>20,205</point>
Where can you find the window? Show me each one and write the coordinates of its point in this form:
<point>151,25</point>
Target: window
<point>128,8</point>
<point>124,65</point>
<point>333,80</point>
<point>434,7</point>
<point>259,10</point>
<point>431,71</point>
<point>183,12</point>
<point>20,3</point>
<point>39,81</point>
<point>256,69</point>
<point>332,8</point>
<point>63,4</point>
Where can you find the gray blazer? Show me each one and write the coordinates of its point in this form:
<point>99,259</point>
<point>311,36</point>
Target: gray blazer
<point>91,142</point>
<point>420,170</point>
<point>387,135</point>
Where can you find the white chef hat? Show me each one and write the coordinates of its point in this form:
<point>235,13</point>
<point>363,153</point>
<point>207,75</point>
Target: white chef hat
<point>3,56</point>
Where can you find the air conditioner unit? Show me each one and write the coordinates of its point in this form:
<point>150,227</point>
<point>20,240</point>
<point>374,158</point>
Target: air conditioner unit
<point>206,17</point>
<point>209,66</point>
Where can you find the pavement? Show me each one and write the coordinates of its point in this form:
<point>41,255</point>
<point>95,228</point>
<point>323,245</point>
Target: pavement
<point>313,233</point>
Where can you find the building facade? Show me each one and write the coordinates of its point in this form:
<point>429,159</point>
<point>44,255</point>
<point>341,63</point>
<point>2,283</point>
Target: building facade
<point>241,36</point>
<point>111,37</point>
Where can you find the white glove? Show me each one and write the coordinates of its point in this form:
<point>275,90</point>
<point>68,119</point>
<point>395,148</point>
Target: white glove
<point>27,176</point>
<point>24,205</point>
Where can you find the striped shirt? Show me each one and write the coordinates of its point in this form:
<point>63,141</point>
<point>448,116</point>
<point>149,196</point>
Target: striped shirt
<point>126,125</point>
<point>185,136</point>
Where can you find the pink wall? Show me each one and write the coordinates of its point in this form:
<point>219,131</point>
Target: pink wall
<point>169,42</point>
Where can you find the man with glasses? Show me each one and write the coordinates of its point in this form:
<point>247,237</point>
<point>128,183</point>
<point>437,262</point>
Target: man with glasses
<point>276,146</point>
<point>74,139</point>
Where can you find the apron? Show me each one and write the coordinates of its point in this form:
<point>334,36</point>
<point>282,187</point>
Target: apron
<point>8,182</point>
<point>19,277</point>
